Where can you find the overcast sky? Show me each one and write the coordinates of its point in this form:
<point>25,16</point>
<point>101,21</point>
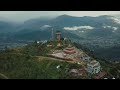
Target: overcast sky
<point>25,15</point>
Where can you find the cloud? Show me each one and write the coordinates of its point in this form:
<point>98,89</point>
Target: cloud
<point>114,29</point>
<point>45,26</point>
<point>78,28</point>
<point>110,27</point>
<point>116,20</point>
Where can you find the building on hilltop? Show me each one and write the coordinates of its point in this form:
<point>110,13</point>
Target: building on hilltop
<point>84,57</point>
<point>58,35</point>
<point>50,44</point>
<point>58,39</point>
<point>69,50</point>
<point>93,67</point>
<point>59,45</point>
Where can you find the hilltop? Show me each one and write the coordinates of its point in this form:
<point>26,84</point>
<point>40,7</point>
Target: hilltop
<point>91,38</point>
<point>32,62</point>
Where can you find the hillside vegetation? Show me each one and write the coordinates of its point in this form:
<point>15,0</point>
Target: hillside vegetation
<point>24,63</point>
<point>30,62</point>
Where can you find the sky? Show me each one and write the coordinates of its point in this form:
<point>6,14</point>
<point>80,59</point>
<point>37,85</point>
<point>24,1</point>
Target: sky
<point>21,16</point>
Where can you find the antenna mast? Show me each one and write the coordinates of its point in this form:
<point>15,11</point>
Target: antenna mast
<point>52,34</point>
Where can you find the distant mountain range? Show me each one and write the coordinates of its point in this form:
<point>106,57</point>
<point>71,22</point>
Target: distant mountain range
<point>102,26</point>
<point>75,27</point>
<point>101,34</point>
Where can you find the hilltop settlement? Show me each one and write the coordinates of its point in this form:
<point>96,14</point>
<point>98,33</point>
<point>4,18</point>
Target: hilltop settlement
<point>56,58</point>
<point>64,50</point>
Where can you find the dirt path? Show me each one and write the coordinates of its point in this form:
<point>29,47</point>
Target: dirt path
<point>2,75</point>
<point>51,58</point>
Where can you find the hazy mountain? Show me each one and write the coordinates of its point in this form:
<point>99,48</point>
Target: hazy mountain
<point>100,34</point>
<point>6,27</point>
<point>102,26</point>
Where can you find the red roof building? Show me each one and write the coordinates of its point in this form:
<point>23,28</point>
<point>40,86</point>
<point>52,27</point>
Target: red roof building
<point>69,50</point>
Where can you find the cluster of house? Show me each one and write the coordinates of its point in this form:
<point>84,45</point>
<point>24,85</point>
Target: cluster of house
<point>93,66</point>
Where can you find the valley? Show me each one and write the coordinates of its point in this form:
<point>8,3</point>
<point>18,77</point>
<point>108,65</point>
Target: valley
<point>99,34</point>
<point>59,47</point>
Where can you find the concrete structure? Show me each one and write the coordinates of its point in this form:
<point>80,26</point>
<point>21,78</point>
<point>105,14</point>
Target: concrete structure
<point>85,58</point>
<point>82,56</point>
<point>58,44</point>
<point>50,44</point>
<point>58,35</point>
<point>93,67</point>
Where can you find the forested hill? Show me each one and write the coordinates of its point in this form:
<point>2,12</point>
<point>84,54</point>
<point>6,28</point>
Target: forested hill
<point>30,62</point>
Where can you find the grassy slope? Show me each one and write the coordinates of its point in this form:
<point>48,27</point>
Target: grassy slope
<point>20,66</point>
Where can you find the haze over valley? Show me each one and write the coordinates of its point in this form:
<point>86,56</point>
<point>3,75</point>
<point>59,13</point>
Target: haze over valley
<point>100,32</point>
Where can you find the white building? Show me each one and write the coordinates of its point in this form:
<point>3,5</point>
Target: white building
<point>38,42</point>
<point>93,67</point>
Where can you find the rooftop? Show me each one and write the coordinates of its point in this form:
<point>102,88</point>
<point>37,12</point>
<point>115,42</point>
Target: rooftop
<point>100,75</point>
<point>68,48</point>
<point>93,62</point>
